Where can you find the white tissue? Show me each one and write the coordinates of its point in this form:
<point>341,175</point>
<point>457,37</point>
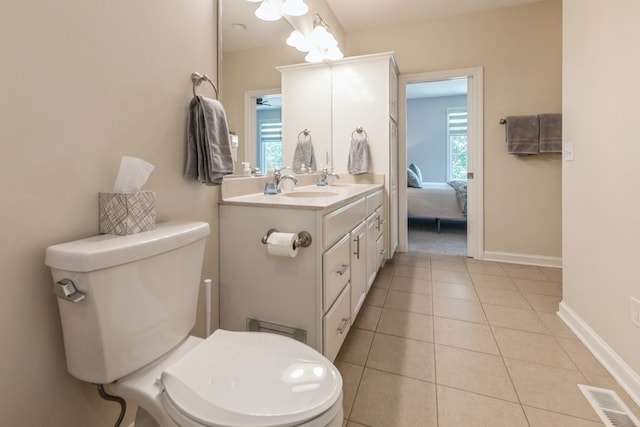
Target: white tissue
<point>132,175</point>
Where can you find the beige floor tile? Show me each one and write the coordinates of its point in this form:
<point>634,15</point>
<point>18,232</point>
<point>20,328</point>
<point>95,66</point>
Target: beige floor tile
<point>457,408</point>
<point>414,261</point>
<point>354,424</point>
<point>419,303</point>
<point>454,290</point>
<point>502,297</point>
<point>582,357</point>
<point>550,388</point>
<point>388,400</point>
<point>542,418</point>
<point>406,324</point>
<point>461,277</point>
<point>368,317</point>
<point>552,274</point>
<point>556,325</point>
<point>402,356</point>
<point>481,267</point>
<point>609,383</point>
<point>355,348</point>
<point>388,269</point>
<point>453,265</point>
<point>490,281</point>
<point>524,272</point>
<point>472,371</point>
<point>468,335</point>
<point>458,309</point>
<point>410,284</point>
<point>410,271</point>
<point>544,303</point>
<point>351,375</point>
<point>516,318</point>
<point>382,281</point>
<point>531,347</point>
<point>538,287</point>
<point>376,296</point>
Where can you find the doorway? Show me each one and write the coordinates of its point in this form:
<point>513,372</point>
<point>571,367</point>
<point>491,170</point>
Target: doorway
<point>474,144</point>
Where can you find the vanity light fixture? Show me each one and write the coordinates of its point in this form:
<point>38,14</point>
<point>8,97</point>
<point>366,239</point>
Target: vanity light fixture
<point>320,44</point>
<point>272,10</point>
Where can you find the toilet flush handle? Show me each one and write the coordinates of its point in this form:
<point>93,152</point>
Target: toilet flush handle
<point>67,290</point>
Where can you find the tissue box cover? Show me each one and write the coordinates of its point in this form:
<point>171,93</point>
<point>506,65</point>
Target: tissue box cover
<point>127,213</point>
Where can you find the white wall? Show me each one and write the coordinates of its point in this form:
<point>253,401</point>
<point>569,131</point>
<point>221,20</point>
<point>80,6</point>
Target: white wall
<point>600,187</point>
<point>82,84</point>
<point>427,134</point>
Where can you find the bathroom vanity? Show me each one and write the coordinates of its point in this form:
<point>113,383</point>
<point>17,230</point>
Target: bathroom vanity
<point>316,295</point>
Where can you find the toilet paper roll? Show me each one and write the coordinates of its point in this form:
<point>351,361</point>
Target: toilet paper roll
<point>281,244</point>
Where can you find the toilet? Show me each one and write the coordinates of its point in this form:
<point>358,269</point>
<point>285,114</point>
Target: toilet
<point>127,305</point>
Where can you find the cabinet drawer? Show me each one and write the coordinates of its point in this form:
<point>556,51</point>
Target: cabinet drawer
<point>336,271</point>
<point>339,222</point>
<point>336,324</point>
<point>374,201</point>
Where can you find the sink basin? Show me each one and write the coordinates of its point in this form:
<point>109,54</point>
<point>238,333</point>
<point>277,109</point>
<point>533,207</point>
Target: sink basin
<point>309,194</point>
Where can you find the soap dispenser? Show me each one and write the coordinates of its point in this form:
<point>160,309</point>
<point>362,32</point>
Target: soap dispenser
<point>270,186</point>
<point>246,171</point>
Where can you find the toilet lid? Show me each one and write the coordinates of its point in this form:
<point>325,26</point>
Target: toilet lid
<point>252,379</point>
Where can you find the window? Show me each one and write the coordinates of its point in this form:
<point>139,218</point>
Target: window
<point>456,143</point>
<point>269,143</point>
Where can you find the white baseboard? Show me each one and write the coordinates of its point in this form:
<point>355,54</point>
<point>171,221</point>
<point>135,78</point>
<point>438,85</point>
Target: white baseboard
<point>617,367</point>
<point>513,258</point>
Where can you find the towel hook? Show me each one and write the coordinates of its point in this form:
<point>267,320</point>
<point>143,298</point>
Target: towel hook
<point>502,121</point>
<point>360,130</point>
<point>198,78</point>
<point>305,132</point>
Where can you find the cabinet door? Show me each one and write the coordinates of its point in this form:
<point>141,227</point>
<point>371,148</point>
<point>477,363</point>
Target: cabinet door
<point>358,268</point>
<point>336,263</point>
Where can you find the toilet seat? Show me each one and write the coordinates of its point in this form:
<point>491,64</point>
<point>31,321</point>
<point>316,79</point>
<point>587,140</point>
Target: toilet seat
<point>214,384</point>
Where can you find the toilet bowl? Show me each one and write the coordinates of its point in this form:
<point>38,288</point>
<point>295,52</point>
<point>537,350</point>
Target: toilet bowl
<point>127,305</point>
<point>241,379</point>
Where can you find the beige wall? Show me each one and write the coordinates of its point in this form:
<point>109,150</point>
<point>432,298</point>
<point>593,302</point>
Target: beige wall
<point>601,197</point>
<point>520,49</point>
<point>84,83</point>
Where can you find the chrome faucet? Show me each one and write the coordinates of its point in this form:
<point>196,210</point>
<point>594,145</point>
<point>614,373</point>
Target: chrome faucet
<point>325,174</point>
<point>278,177</point>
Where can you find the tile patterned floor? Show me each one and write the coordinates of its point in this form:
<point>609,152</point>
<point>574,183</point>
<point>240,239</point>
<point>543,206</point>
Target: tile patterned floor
<point>448,341</point>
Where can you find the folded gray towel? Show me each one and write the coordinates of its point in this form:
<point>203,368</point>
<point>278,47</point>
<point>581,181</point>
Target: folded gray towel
<point>358,161</point>
<point>304,154</point>
<point>209,155</point>
<point>523,134</point>
<point>550,133</point>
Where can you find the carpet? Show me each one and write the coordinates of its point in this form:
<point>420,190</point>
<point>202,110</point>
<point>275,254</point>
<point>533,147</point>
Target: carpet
<point>424,237</point>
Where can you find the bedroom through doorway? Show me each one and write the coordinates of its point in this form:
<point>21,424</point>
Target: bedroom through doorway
<point>437,166</point>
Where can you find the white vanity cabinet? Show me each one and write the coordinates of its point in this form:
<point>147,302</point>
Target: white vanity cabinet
<point>362,93</point>
<point>314,296</point>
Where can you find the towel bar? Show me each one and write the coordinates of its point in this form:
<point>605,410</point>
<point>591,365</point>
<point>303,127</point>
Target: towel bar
<point>198,78</point>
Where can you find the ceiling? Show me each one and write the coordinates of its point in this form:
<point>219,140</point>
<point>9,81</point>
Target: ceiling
<point>354,15</point>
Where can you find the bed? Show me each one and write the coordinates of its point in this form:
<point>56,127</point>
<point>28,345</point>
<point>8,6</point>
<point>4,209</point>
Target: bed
<point>438,200</point>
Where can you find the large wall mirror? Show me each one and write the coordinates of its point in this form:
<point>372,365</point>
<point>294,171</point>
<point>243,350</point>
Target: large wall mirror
<point>251,49</point>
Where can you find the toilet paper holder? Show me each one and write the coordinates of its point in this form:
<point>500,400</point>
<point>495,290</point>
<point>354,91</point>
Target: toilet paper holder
<point>303,240</point>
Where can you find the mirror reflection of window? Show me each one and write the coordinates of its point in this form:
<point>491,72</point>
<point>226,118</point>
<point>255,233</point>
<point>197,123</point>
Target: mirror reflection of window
<point>269,132</point>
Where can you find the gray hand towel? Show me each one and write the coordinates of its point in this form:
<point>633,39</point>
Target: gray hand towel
<point>550,133</point>
<point>304,154</point>
<point>523,133</point>
<point>208,142</point>
<point>358,161</point>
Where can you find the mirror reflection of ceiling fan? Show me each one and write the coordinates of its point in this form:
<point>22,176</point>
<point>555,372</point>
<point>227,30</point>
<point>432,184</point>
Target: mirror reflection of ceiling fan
<point>262,101</point>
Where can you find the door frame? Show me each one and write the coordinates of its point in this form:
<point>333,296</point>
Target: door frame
<point>475,154</point>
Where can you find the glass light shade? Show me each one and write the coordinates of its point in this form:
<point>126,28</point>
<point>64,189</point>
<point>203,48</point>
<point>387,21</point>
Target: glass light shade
<point>314,55</point>
<point>294,7</point>
<point>334,53</point>
<point>254,1</point>
<point>323,38</point>
<point>267,11</point>
<point>300,42</point>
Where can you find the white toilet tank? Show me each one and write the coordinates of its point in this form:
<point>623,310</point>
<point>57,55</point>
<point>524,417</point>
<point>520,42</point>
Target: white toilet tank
<point>140,297</point>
